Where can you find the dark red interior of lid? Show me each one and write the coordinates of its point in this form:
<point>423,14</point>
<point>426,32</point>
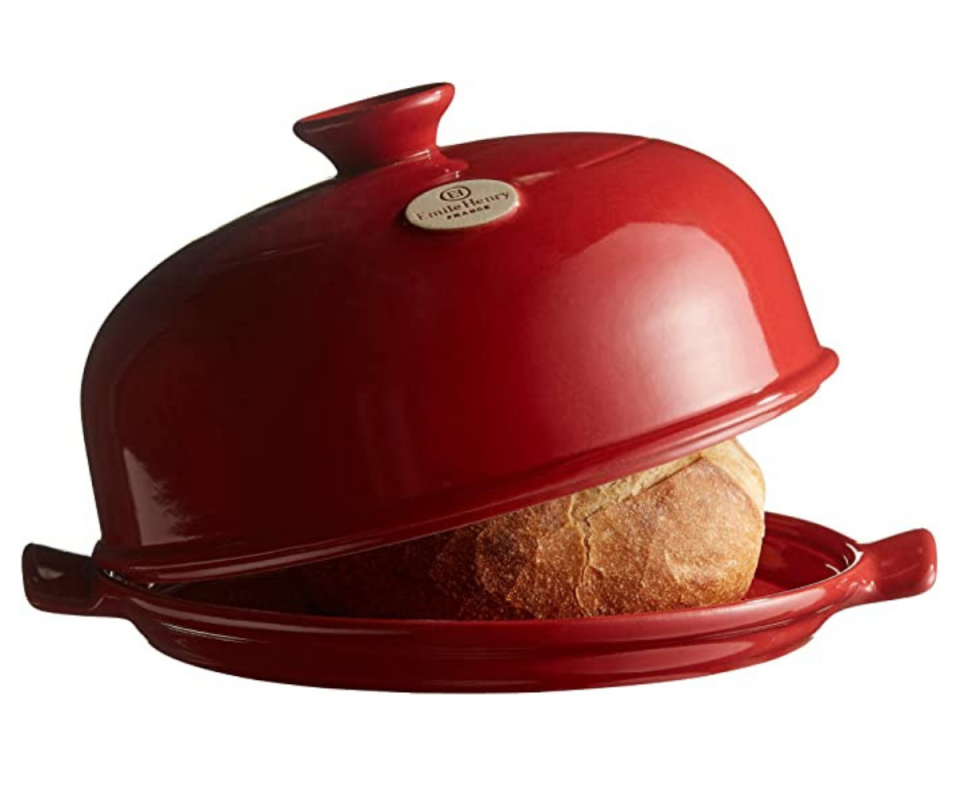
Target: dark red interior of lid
<point>320,376</point>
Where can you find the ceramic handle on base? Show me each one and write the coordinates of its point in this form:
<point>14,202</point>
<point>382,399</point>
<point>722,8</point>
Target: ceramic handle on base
<point>899,566</point>
<point>65,583</point>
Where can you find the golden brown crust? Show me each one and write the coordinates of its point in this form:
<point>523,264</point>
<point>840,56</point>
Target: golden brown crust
<point>684,534</point>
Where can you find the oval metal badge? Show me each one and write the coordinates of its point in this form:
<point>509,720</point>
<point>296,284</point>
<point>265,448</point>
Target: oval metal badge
<point>464,204</point>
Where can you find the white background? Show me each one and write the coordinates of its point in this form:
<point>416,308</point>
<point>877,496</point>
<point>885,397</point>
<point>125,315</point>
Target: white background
<point>130,129</point>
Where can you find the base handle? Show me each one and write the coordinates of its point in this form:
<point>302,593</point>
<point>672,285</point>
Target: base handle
<point>900,566</point>
<point>66,583</point>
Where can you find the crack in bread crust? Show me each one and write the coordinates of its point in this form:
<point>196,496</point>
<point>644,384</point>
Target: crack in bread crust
<point>585,542</point>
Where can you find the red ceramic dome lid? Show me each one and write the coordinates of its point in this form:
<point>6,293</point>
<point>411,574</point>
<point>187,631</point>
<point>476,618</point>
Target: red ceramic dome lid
<point>330,373</point>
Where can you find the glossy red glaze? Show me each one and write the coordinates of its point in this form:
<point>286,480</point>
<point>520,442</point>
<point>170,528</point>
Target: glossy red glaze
<point>806,574</point>
<point>320,376</point>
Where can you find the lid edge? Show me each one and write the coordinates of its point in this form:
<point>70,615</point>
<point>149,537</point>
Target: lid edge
<point>184,562</point>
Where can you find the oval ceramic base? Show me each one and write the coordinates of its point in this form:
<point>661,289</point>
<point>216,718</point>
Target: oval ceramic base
<point>806,573</point>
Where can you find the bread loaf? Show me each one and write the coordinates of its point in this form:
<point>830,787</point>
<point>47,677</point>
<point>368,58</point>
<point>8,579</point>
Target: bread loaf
<point>687,533</point>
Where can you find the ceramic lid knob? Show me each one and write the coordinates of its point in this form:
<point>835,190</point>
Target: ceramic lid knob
<point>379,131</point>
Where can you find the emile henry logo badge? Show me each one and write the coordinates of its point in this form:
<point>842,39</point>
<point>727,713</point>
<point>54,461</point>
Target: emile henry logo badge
<point>466,204</point>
